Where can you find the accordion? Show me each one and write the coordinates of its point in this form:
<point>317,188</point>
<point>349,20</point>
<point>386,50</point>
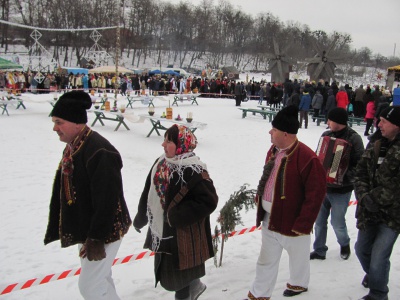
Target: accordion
<point>334,155</point>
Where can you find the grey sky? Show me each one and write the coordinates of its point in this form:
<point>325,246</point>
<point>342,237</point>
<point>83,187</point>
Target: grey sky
<point>373,24</point>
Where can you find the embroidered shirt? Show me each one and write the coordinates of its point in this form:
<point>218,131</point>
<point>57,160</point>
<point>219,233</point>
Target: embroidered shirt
<point>268,195</point>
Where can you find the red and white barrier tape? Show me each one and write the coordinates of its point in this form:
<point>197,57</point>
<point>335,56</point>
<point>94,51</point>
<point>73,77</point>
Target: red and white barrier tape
<point>74,272</point>
<point>118,261</point>
<point>68,273</point>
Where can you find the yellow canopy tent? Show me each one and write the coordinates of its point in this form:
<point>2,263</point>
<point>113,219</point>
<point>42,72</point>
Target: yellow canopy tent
<point>394,68</point>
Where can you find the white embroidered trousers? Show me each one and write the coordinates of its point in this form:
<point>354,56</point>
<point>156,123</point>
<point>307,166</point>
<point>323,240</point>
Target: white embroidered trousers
<point>298,249</point>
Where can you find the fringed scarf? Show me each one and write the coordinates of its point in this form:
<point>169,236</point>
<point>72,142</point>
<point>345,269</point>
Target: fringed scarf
<point>67,165</point>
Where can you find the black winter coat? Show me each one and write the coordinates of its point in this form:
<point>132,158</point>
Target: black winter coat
<point>99,210</point>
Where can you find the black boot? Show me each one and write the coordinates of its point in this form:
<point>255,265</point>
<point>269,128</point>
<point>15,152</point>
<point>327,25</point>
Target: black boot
<point>365,282</point>
<point>345,252</point>
<point>315,255</point>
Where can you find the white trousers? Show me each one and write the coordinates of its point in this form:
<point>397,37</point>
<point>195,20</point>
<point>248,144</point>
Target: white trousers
<point>95,280</point>
<point>267,266</point>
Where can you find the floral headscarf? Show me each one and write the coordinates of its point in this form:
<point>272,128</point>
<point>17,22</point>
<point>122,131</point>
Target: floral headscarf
<point>187,141</point>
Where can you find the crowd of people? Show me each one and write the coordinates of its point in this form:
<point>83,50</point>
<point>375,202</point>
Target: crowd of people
<point>179,196</point>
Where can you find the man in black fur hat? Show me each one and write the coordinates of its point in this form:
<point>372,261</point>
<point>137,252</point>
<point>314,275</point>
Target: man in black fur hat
<point>289,195</point>
<point>87,206</point>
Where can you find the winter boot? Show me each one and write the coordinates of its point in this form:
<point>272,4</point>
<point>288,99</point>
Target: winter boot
<point>315,255</point>
<point>365,282</point>
<point>196,289</point>
<point>345,252</point>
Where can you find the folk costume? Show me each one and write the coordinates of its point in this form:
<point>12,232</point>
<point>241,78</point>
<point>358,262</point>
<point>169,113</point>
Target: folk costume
<point>87,204</point>
<point>89,161</point>
<point>176,202</point>
<point>289,195</point>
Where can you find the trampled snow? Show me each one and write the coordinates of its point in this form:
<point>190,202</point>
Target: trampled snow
<point>234,150</point>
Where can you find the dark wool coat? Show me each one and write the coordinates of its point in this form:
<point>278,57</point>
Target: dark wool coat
<point>191,215</point>
<point>357,150</point>
<point>99,210</point>
<point>381,184</point>
<point>299,190</point>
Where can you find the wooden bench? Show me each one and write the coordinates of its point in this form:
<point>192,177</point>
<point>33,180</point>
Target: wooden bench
<point>100,116</point>
<point>356,120</point>
<point>359,121</point>
<point>266,107</point>
<point>262,112</point>
<point>319,119</point>
<point>188,97</point>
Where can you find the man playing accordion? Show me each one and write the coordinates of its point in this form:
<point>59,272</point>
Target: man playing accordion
<point>344,149</point>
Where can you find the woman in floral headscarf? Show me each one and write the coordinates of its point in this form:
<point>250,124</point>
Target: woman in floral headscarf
<point>176,202</point>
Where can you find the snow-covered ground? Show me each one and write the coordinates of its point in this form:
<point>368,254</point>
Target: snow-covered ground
<point>234,150</point>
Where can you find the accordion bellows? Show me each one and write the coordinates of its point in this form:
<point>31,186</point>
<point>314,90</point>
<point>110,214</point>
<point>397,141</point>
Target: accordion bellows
<point>334,155</point>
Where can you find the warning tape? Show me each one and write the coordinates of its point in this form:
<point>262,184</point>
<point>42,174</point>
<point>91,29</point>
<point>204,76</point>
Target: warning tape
<point>118,261</point>
<point>74,272</point>
<point>68,273</point>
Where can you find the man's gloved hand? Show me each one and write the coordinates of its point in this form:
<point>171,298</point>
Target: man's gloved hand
<point>137,229</point>
<point>370,204</point>
<point>93,250</point>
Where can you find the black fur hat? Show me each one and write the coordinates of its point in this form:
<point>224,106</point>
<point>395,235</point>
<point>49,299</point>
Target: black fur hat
<point>72,107</point>
<point>287,120</point>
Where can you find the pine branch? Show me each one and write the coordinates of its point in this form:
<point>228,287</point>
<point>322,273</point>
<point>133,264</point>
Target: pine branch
<point>230,216</point>
<point>230,213</point>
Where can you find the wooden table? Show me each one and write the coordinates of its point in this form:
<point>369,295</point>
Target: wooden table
<point>3,106</point>
<point>6,100</point>
<point>117,117</point>
<point>156,124</point>
<point>143,99</point>
<point>187,97</point>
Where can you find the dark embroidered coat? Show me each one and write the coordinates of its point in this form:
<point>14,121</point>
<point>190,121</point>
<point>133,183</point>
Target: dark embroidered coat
<point>190,216</point>
<point>299,190</point>
<point>99,210</point>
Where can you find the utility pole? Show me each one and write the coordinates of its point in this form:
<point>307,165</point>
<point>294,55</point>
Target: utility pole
<point>117,47</point>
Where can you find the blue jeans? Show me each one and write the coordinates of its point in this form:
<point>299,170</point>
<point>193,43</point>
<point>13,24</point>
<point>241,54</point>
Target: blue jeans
<point>336,204</point>
<point>373,248</point>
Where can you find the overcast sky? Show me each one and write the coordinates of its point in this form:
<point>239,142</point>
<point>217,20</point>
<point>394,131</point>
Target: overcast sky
<point>371,23</point>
